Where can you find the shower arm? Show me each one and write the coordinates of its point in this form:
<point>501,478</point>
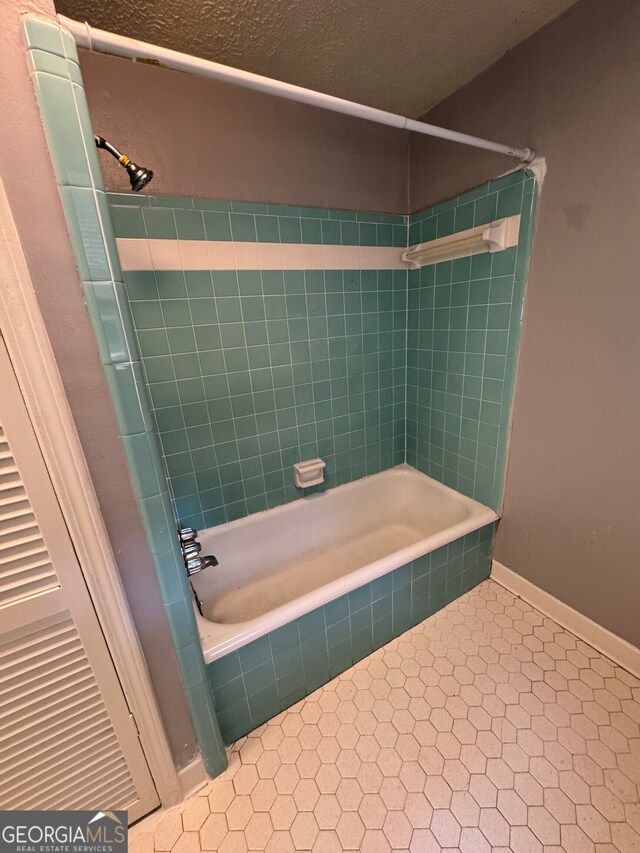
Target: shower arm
<point>106,42</point>
<point>138,175</point>
<point>107,146</point>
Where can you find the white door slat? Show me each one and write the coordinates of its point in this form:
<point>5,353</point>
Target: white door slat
<point>62,722</point>
<point>58,735</point>
<point>62,764</point>
<point>66,781</point>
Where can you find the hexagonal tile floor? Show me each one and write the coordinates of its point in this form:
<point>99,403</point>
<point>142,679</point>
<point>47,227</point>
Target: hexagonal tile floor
<point>486,728</point>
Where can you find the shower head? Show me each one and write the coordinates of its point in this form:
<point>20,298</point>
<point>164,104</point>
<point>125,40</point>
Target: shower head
<point>138,175</point>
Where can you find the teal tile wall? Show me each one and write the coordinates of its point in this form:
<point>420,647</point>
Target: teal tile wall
<point>58,83</point>
<point>249,372</point>
<point>463,333</point>
<point>167,217</point>
<point>265,677</point>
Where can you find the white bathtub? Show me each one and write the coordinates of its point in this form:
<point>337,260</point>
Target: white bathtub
<point>277,565</point>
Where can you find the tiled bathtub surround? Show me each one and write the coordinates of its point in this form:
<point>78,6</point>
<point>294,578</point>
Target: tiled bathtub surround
<point>464,322</point>
<point>263,678</point>
<point>58,83</point>
<point>249,370</point>
<point>252,370</point>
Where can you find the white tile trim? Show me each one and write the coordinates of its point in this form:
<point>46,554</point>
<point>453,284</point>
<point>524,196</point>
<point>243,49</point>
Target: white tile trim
<point>313,256</point>
<point>610,645</point>
<point>247,256</point>
<point>136,252</point>
<point>221,255</point>
<point>143,254</point>
<point>195,254</point>
<point>166,254</point>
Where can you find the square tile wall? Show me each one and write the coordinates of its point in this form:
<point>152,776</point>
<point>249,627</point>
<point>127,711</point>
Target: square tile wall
<point>263,678</point>
<point>464,319</point>
<point>250,371</point>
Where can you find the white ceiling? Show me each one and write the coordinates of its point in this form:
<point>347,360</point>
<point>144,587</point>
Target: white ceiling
<point>399,55</point>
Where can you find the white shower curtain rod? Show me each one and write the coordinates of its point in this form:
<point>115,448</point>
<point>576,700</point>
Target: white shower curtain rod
<point>106,42</point>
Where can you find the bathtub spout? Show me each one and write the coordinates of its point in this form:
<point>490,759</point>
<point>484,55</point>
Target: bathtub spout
<point>196,564</point>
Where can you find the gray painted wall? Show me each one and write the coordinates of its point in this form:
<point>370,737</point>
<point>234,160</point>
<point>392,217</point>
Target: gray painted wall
<point>29,181</point>
<point>212,140</point>
<point>572,495</point>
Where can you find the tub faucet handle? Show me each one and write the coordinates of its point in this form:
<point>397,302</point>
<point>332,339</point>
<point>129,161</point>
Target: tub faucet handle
<point>187,534</point>
<point>192,549</point>
<point>193,566</point>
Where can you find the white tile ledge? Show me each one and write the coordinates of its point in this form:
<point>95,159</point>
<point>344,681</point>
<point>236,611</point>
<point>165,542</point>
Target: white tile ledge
<point>143,254</point>
<point>604,641</point>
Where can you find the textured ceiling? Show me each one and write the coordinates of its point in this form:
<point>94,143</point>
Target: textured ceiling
<point>400,55</point>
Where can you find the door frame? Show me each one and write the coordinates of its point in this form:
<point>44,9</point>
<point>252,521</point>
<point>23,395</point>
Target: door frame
<point>33,361</point>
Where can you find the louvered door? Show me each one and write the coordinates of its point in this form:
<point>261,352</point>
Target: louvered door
<point>67,738</point>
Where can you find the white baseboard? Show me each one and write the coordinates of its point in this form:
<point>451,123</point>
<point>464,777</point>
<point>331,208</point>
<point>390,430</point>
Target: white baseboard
<point>192,777</point>
<point>610,645</point>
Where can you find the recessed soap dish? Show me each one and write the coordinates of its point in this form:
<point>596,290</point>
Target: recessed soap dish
<point>309,473</point>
